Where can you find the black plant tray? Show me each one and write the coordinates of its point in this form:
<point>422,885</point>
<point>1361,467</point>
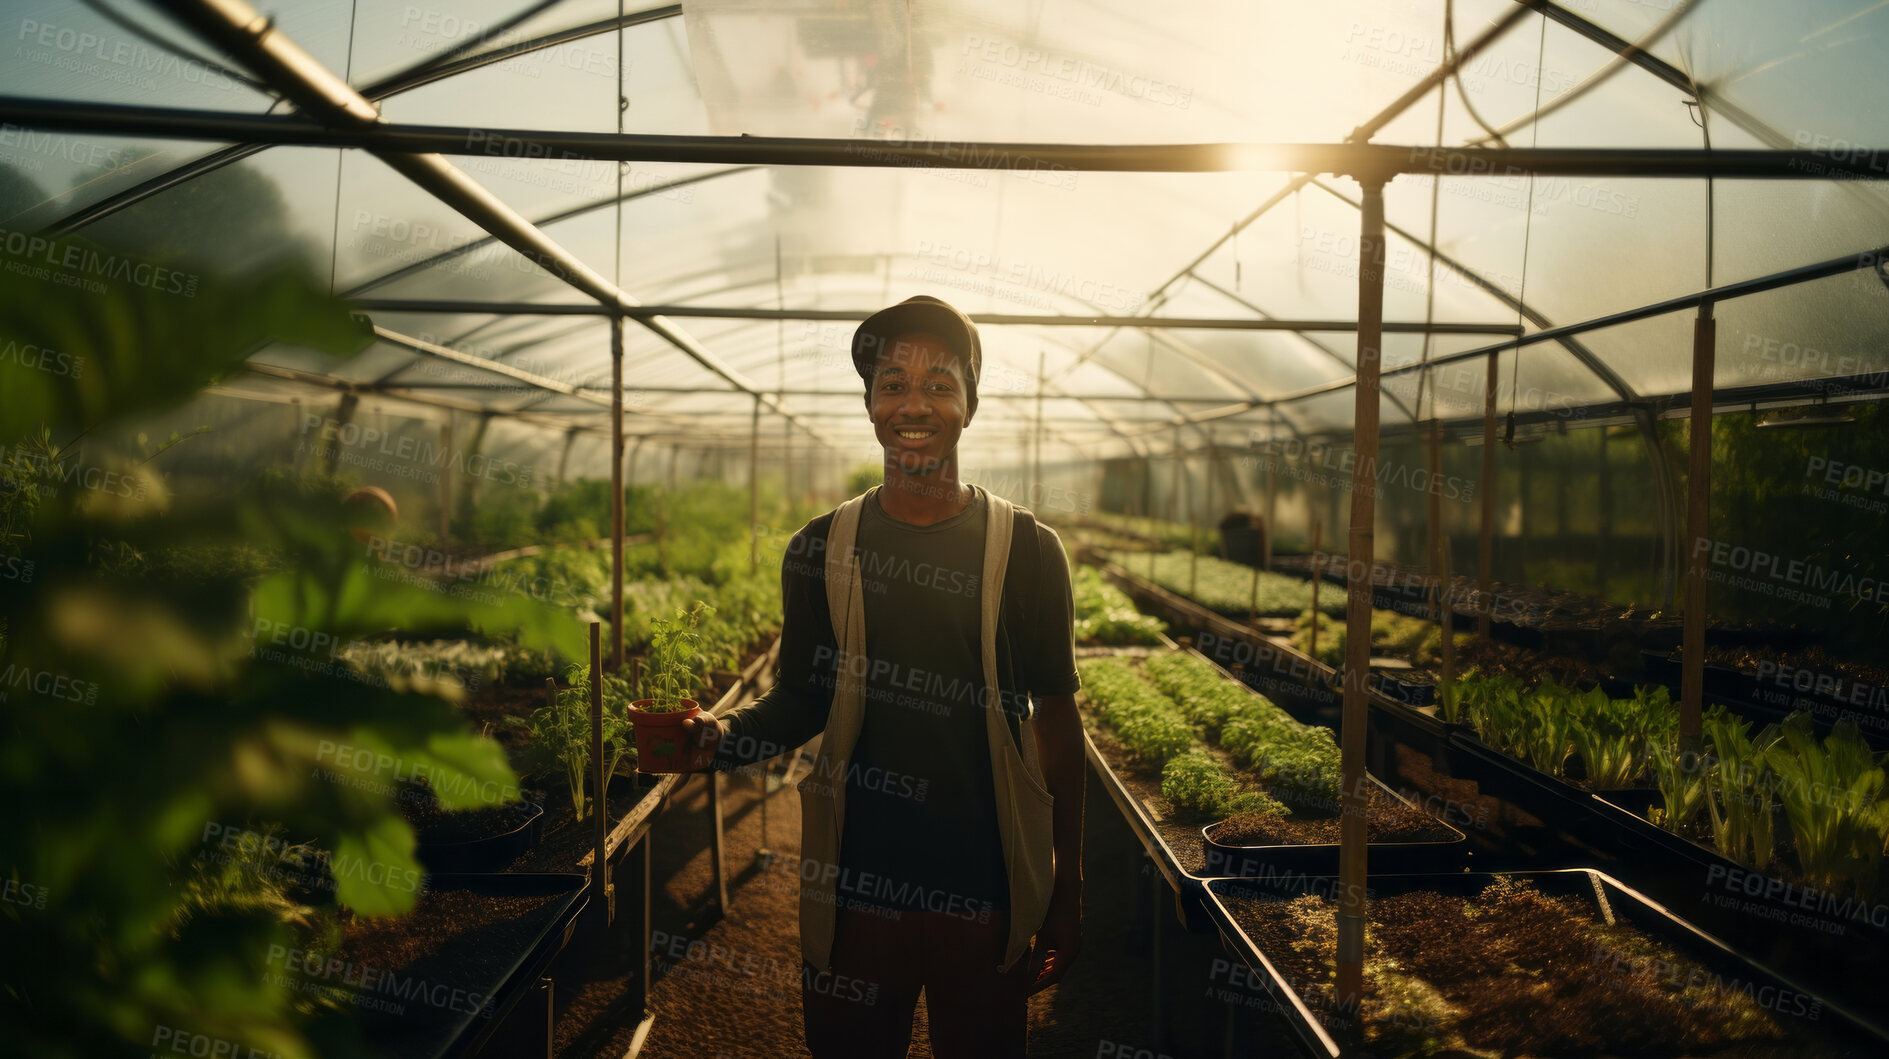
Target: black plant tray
<point>1836,944</point>
<point>447,1001</point>
<point>1774,699</point>
<point>1324,1035</point>
<point>1433,855</point>
<point>487,854</point>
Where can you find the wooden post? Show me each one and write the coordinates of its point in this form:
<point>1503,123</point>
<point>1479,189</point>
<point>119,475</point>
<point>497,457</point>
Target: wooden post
<point>1435,513</point>
<point>600,822</point>
<point>754,489</point>
<point>1317,526</point>
<point>1036,467</point>
<point>446,479</point>
<point>1448,617</point>
<point>1698,528</point>
<point>1604,534</point>
<point>1485,541</point>
<point>1349,982</point>
<point>564,455</point>
<point>616,492</point>
<point>1272,490</point>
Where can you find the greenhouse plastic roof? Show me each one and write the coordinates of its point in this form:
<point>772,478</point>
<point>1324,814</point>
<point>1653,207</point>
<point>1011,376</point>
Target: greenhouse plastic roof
<point>1504,250</point>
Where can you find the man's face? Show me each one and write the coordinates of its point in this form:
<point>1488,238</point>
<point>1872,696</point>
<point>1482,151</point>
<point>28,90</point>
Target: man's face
<point>918,402</point>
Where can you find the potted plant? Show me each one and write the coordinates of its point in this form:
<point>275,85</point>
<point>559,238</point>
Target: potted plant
<point>671,671</point>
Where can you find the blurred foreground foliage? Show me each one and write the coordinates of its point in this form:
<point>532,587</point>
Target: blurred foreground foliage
<point>191,769</point>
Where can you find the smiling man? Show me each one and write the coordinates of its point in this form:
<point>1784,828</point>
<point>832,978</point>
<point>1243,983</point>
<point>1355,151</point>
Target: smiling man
<point>927,638</point>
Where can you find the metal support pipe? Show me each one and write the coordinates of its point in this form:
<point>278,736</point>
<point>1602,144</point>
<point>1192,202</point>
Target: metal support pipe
<point>1698,527</point>
<point>1349,988</point>
<point>446,482</point>
<point>600,823</point>
<point>1434,519</point>
<point>237,28</point>
<point>616,494</point>
<point>754,490</point>
<point>254,40</point>
<point>719,312</point>
<point>1485,533</point>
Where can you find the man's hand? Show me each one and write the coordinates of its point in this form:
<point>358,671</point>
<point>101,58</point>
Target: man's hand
<point>1057,940</point>
<point>702,735</point>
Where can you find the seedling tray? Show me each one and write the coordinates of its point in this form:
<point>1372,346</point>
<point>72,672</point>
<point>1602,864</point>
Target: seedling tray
<point>453,990</point>
<point>1431,855</point>
<point>487,854</point>
<point>1326,1034</point>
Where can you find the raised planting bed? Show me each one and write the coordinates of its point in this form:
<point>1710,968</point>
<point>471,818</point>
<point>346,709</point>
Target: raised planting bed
<point>1106,617</point>
<point>1402,838</point>
<point>1181,746</point>
<point>1773,682</point>
<point>1559,963</point>
<point>438,981</point>
<point>471,840</point>
<point>1228,588</point>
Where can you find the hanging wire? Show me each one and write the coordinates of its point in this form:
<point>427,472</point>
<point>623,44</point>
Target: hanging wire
<point>1696,110</point>
<point>1528,232</point>
<point>334,241</point>
<point>1456,72</point>
<point>125,23</point>
<point>1429,280</point>
<point>493,33</point>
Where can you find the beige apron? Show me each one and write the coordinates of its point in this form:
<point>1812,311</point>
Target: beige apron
<point>1024,818</point>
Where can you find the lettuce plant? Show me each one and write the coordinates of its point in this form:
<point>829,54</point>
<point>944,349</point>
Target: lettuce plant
<point>1833,797</point>
<point>1739,787</point>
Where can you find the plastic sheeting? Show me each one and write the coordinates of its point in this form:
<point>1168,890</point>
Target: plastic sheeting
<point>1031,239</point>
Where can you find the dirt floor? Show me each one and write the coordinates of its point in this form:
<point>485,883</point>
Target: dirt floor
<point>728,987</point>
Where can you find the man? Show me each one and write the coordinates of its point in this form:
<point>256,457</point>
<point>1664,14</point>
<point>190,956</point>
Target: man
<point>928,638</point>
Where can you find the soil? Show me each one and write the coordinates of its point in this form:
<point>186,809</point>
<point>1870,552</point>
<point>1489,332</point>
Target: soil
<point>1816,661</point>
<point>459,939</point>
<point>1515,971</point>
<point>565,838</point>
<point>1310,823</point>
<point>1492,657</point>
<point>1389,821</point>
<point>727,984</point>
<point>435,826</point>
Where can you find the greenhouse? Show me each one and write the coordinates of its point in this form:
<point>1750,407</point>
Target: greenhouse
<point>1387,554</point>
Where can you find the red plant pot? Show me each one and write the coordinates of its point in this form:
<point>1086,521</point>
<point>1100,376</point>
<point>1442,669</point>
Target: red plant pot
<point>659,737</point>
